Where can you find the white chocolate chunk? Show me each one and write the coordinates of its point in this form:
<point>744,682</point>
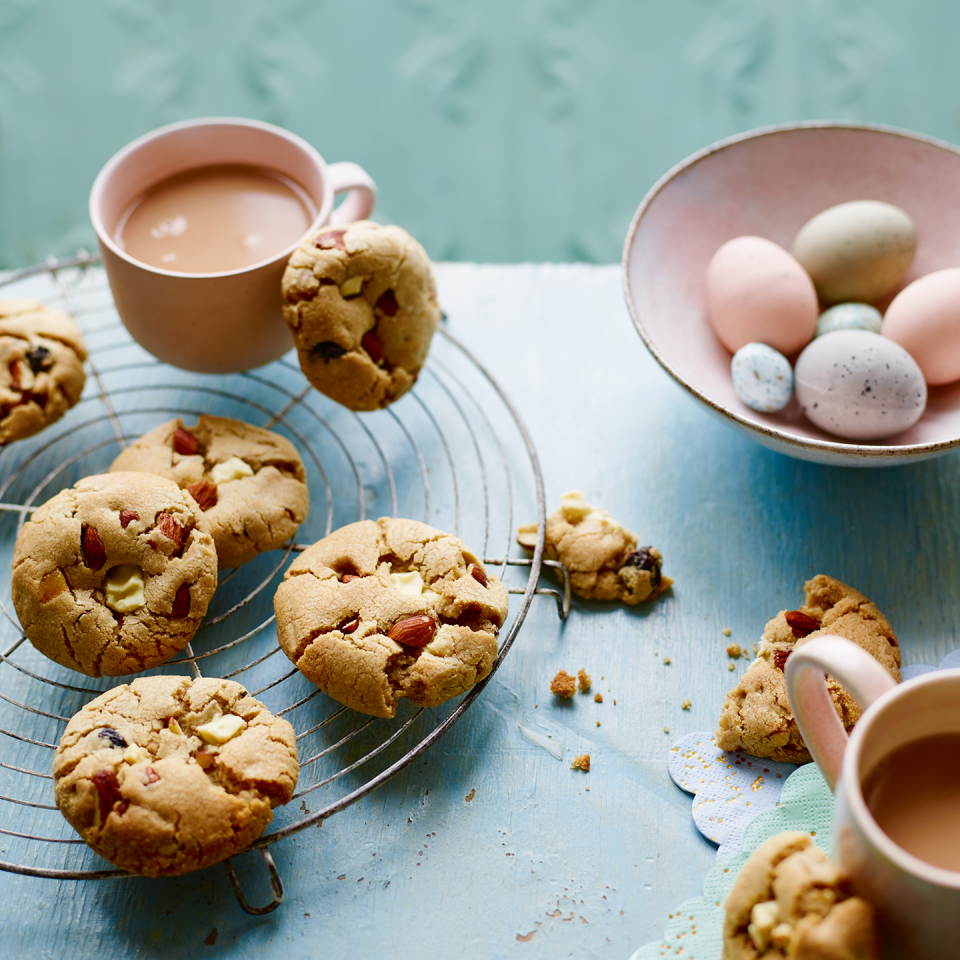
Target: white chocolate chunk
<point>574,507</point>
<point>135,754</point>
<point>781,935</point>
<point>411,582</point>
<point>763,918</point>
<point>442,643</point>
<point>222,729</point>
<point>125,588</point>
<point>352,287</point>
<point>232,469</point>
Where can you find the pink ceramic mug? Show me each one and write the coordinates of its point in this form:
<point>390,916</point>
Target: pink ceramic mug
<point>213,322</point>
<point>918,904</point>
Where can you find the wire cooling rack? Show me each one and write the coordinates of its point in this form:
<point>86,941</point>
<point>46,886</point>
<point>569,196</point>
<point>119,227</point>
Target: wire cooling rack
<point>453,452</point>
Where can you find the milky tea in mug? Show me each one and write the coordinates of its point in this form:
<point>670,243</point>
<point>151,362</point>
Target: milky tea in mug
<point>215,219</point>
<point>914,795</point>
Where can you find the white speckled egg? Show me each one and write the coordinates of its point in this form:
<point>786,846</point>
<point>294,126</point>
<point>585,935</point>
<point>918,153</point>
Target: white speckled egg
<point>859,385</point>
<point>849,316</point>
<point>856,251</point>
<point>762,377</point>
<point>757,293</point>
<point>924,318</point>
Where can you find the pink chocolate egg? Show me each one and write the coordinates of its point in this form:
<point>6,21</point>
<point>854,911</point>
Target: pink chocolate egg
<point>924,318</point>
<point>758,293</point>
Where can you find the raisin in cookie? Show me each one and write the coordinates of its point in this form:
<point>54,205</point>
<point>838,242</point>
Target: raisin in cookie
<point>361,302</point>
<point>249,482</point>
<point>113,575</point>
<point>601,556</point>
<point>756,716</point>
<point>41,366</point>
<point>167,775</point>
<point>386,609</point>
<point>789,900</point>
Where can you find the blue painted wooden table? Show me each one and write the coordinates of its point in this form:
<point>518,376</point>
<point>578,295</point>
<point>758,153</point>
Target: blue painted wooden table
<point>489,845</point>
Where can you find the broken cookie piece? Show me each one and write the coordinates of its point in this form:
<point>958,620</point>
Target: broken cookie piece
<point>391,608</point>
<point>756,717</point>
<point>601,556</point>
<point>789,900</point>
<point>563,685</point>
<point>167,775</point>
<point>41,366</point>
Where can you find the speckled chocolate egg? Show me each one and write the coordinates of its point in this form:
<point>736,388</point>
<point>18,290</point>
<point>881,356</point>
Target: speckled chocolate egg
<point>762,377</point>
<point>758,293</point>
<point>924,318</point>
<point>859,385</point>
<point>856,251</point>
<point>849,316</point>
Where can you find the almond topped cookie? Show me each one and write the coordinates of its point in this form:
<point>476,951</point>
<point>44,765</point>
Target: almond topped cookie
<point>756,716</point>
<point>41,366</point>
<point>390,608</point>
<point>167,775</point>
<point>361,302</point>
<point>249,482</point>
<point>113,575</point>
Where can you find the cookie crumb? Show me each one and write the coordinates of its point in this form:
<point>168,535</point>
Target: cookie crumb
<point>581,762</point>
<point>583,680</point>
<point>685,705</point>
<point>563,685</point>
<point>597,698</point>
<point>726,631</point>
<point>614,702</point>
<point>470,795</point>
<point>666,729</point>
<point>211,938</point>
<point>598,723</point>
<point>733,650</point>
<point>666,661</point>
<point>729,666</point>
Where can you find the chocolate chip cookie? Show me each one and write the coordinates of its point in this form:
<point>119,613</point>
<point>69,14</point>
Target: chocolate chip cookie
<point>113,575</point>
<point>386,609</point>
<point>601,556</point>
<point>361,302</point>
<point>789,900</point>
<point>756,716</point>
<point>41,366</point>
<point>249,482</point>
<point>166,775</point>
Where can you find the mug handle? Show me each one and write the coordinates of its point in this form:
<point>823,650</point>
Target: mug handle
<point>816,717</point>
<point>363,191</point>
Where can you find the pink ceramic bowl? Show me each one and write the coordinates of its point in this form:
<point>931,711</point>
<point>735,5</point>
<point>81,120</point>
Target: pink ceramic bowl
<point>768,183</point>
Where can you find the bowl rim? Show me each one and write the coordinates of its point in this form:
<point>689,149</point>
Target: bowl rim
<point>832,448</point>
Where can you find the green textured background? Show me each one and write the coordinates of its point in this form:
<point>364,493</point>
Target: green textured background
<point>506,130</point>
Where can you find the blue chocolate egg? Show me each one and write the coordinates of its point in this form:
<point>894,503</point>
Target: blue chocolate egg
<point>849,316</point>
<point>762,377</point>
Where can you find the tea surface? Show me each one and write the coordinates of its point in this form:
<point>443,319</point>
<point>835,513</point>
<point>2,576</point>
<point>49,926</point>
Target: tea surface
<point>914,795</point>
<point>214,219</point>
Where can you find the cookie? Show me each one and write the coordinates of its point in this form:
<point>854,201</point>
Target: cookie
<point>41,366</point>
<point>756,716</point>
<point>386,609</point>
<point>600,555</point>
<point>789,900</point>
<point>166,775</point>
<point>113,575</point>
<point>361,303</point>
<point>249,482</point>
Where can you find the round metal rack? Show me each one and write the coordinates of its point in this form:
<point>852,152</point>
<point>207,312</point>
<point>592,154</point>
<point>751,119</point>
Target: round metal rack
<point>453,452</point>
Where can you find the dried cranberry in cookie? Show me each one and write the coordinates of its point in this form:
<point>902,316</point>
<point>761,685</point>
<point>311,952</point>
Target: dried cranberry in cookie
<point>114,575</point>
<point>391,608</point>
<point>249,482</point>
<point>167,775</point>
<point>41,366</point>
<point>361,303</point>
